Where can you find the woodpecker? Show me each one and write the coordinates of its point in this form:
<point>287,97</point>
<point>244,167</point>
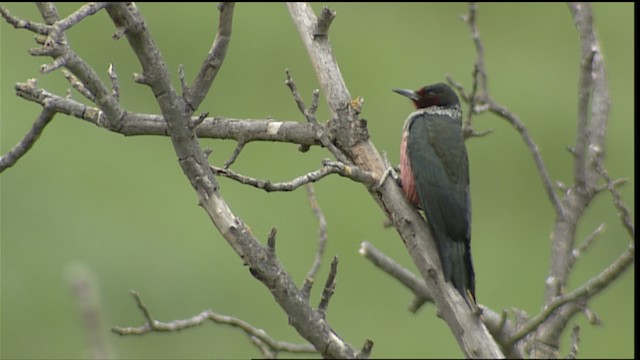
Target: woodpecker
<point>434,172</point>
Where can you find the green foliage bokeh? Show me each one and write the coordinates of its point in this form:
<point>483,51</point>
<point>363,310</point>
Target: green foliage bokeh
<point>121,208</point>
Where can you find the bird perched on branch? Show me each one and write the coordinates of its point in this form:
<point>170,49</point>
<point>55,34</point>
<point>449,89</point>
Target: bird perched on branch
<point>434,171</point>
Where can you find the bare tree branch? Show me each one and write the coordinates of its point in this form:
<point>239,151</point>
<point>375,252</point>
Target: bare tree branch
<point>152,325</point>
<point>583,293</point>
<point>542,331</point>
<point>134,124</point>
<point>322,240</point>
<point>79,86</point>
<point>575,340</point>
<point>586,244</point>
<point>589,148</point>
<point>404,276</point>
<point>352,138</point>
<point>329,287</point>
<point>80,14</point>
<point>310,115</point>
<point>261,260</point>
<point>329,167</point>
<point>623,212</point>
<point>57,46</point>
<point>479,100</point>
<point>213,61</point>
<point>8,160</point>
<point>501,328</point>
<point>115,86</point>
<point>346,137</point>
<point>235,154</point>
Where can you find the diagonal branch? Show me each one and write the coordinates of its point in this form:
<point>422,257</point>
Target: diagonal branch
<point>213,61</point>
<point>593,101</point>
<point>501,328</point>
<point>8,160</point>
<point>404,276</point>
<point>261,260</point>
<point>352,138</point>
<point>80,14</point>
<point>589,289</point>
<point>535,151</point>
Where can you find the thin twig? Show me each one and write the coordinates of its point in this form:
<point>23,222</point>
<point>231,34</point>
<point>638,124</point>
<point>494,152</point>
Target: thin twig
<point>309,114</point>
<point>79,86</point>
<point>80,14</point>
<point>194,123</point>
<point>329,167</point>
<point>535,151</point>
<point>234,155</point>
<point>365,352</point>
<point>56,46</point>
<point>575,340</point>
<point>591,316</point>
<point>115,86</point>
<point>586,291</point>
<point>324,21</point>
<point>479,73</point>
<point>586,244</point>
<point>329,287</point>
<point>152,325</point>
<point>268,186</point>
<point>623,212</point>
<point>271,240</point>
<point>322,240</point>
<point>28,140</point>
<point>480,96</point>
<point>18,23</point>
<point>214,59</point>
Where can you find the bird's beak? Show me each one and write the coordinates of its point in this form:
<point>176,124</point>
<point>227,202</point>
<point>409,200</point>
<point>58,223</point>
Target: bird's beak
<point>408,93</point>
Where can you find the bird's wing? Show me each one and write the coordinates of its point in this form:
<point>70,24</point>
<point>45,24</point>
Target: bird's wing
<point>440,169</point>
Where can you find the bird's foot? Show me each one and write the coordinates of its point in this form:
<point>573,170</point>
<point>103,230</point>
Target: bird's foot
<point>390,171</point>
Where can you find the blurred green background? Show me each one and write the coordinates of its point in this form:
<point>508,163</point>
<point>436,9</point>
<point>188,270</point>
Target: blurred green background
<point>122,209</point>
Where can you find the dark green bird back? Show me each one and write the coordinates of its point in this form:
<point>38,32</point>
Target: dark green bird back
<point>440,168</point>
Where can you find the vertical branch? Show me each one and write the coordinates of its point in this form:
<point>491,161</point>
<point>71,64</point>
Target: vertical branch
<point>213,61</point>
<point>322,233</point>
<point>352,138</point>
<point>592,118</point>
<point>479,73</point>
<point>322,58</point>
<point>593,101</point>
